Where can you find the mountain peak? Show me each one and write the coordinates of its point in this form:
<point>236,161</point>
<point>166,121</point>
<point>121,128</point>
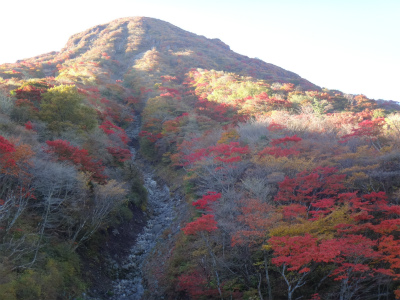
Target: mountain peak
<point>125,42</point>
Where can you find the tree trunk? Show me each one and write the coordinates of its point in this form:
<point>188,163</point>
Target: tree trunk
<point>267,277</point>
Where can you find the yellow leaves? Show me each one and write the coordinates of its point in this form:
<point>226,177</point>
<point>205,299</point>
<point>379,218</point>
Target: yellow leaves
<point>183,53</point>
<point>111,191</point>
<point>358,169</point>
<point>322,228</point>
<point>200,251</point>
<point>190,175</point>
<point>356,176</point>
<point>386,149</point>
<point>84,181</point>
<point>150,60</point>
<point>289,165</point>
<point>228,136</point>
<point>266,247</point>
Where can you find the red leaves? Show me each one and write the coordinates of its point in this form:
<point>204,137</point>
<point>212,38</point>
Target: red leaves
<point>117,152</point>
<point>355,251</point>
<point>204,202</point>
<point>216,111</point>
<point>258,217</point>
<point>204,223</point>
<point>169,92</point>
<point>272,103</point>
<point>26,103</point>
<point>195,284</point>
<point>318,193</point>
<point>174,125</point>
<point>105,55</point>
<point>5,146</point>
<point>143,90</point>
<point>390,249</point>
<point>321,183</point>
<point>275,127</point>
<point>280,151</point>
<point>226,153</point>
<point>131,100</point>
<point>348,253</point>
<point>168,78</point>
<point>28,125</point>
<point>294,211</point>
<point>109,128</point>
<point>30,92</point>
<point>120,154</point>
<point>6,149</point>
<point>367,128</point>
<point>295,252</point>
<point>152,137</point>
<point>80,157</point>
<point>286,140</point>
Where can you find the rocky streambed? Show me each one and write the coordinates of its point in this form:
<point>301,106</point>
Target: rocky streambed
<point>129,283</point>
<point>128,279</point>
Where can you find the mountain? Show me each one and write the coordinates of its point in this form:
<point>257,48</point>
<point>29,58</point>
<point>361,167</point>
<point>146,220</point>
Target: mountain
<point>125,44</point>
<point>143,161</point>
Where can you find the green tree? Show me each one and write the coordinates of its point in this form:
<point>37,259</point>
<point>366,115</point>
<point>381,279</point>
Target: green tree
<point>62,108</point>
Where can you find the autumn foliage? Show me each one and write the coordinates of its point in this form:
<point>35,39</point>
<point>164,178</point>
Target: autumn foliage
<point>6,148</point>
<point>79,157</point>
<point>204,223</point>
<point>286,190</point>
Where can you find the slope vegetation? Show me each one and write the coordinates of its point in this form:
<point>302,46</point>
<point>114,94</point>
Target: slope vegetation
<point>293,188</point>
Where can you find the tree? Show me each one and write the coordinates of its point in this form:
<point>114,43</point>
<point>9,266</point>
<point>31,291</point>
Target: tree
<point>95,211</point>
<point>196,285</point>
<point>317,190</point>
<point>62,108</point>
<point>371,130</point>
<point>79,157</point>
<point>6,148</point>
<point>204,202</point>
<point>258,218</point>
<point>205,223</point>
<point>202,227</point>
<point>110,129</point>
<point>283,150</point>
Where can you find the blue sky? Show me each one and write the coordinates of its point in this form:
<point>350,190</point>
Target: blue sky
<point>349,45</point>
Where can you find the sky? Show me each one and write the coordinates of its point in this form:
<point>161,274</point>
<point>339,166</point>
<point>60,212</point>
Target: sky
<point>347,45</point>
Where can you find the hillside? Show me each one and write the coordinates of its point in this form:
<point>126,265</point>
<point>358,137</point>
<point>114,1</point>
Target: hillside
<point>276,188</point>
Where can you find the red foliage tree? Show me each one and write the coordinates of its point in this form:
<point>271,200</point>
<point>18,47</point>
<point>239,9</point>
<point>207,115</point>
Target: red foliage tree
<point>6,149</point>
<point>317,191</point>
<point>205,223</point>
<point>258,217</point>
<point>79,157</point>
<point>360,250</point>
<point>204,202</point>
<point>226,153</point>
<point>272,103</point>
<point>196,285</point>
<point>31,92</point>
<point>152,137</point>
<point>110,128</point>
<point>119,153</point>
<point>29,125</point>
<point>283,150</point>
<point>220,112</point>
<point>369,129</point>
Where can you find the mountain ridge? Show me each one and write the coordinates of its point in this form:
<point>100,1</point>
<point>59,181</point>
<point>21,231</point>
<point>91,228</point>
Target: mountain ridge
<point>125,38</point>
